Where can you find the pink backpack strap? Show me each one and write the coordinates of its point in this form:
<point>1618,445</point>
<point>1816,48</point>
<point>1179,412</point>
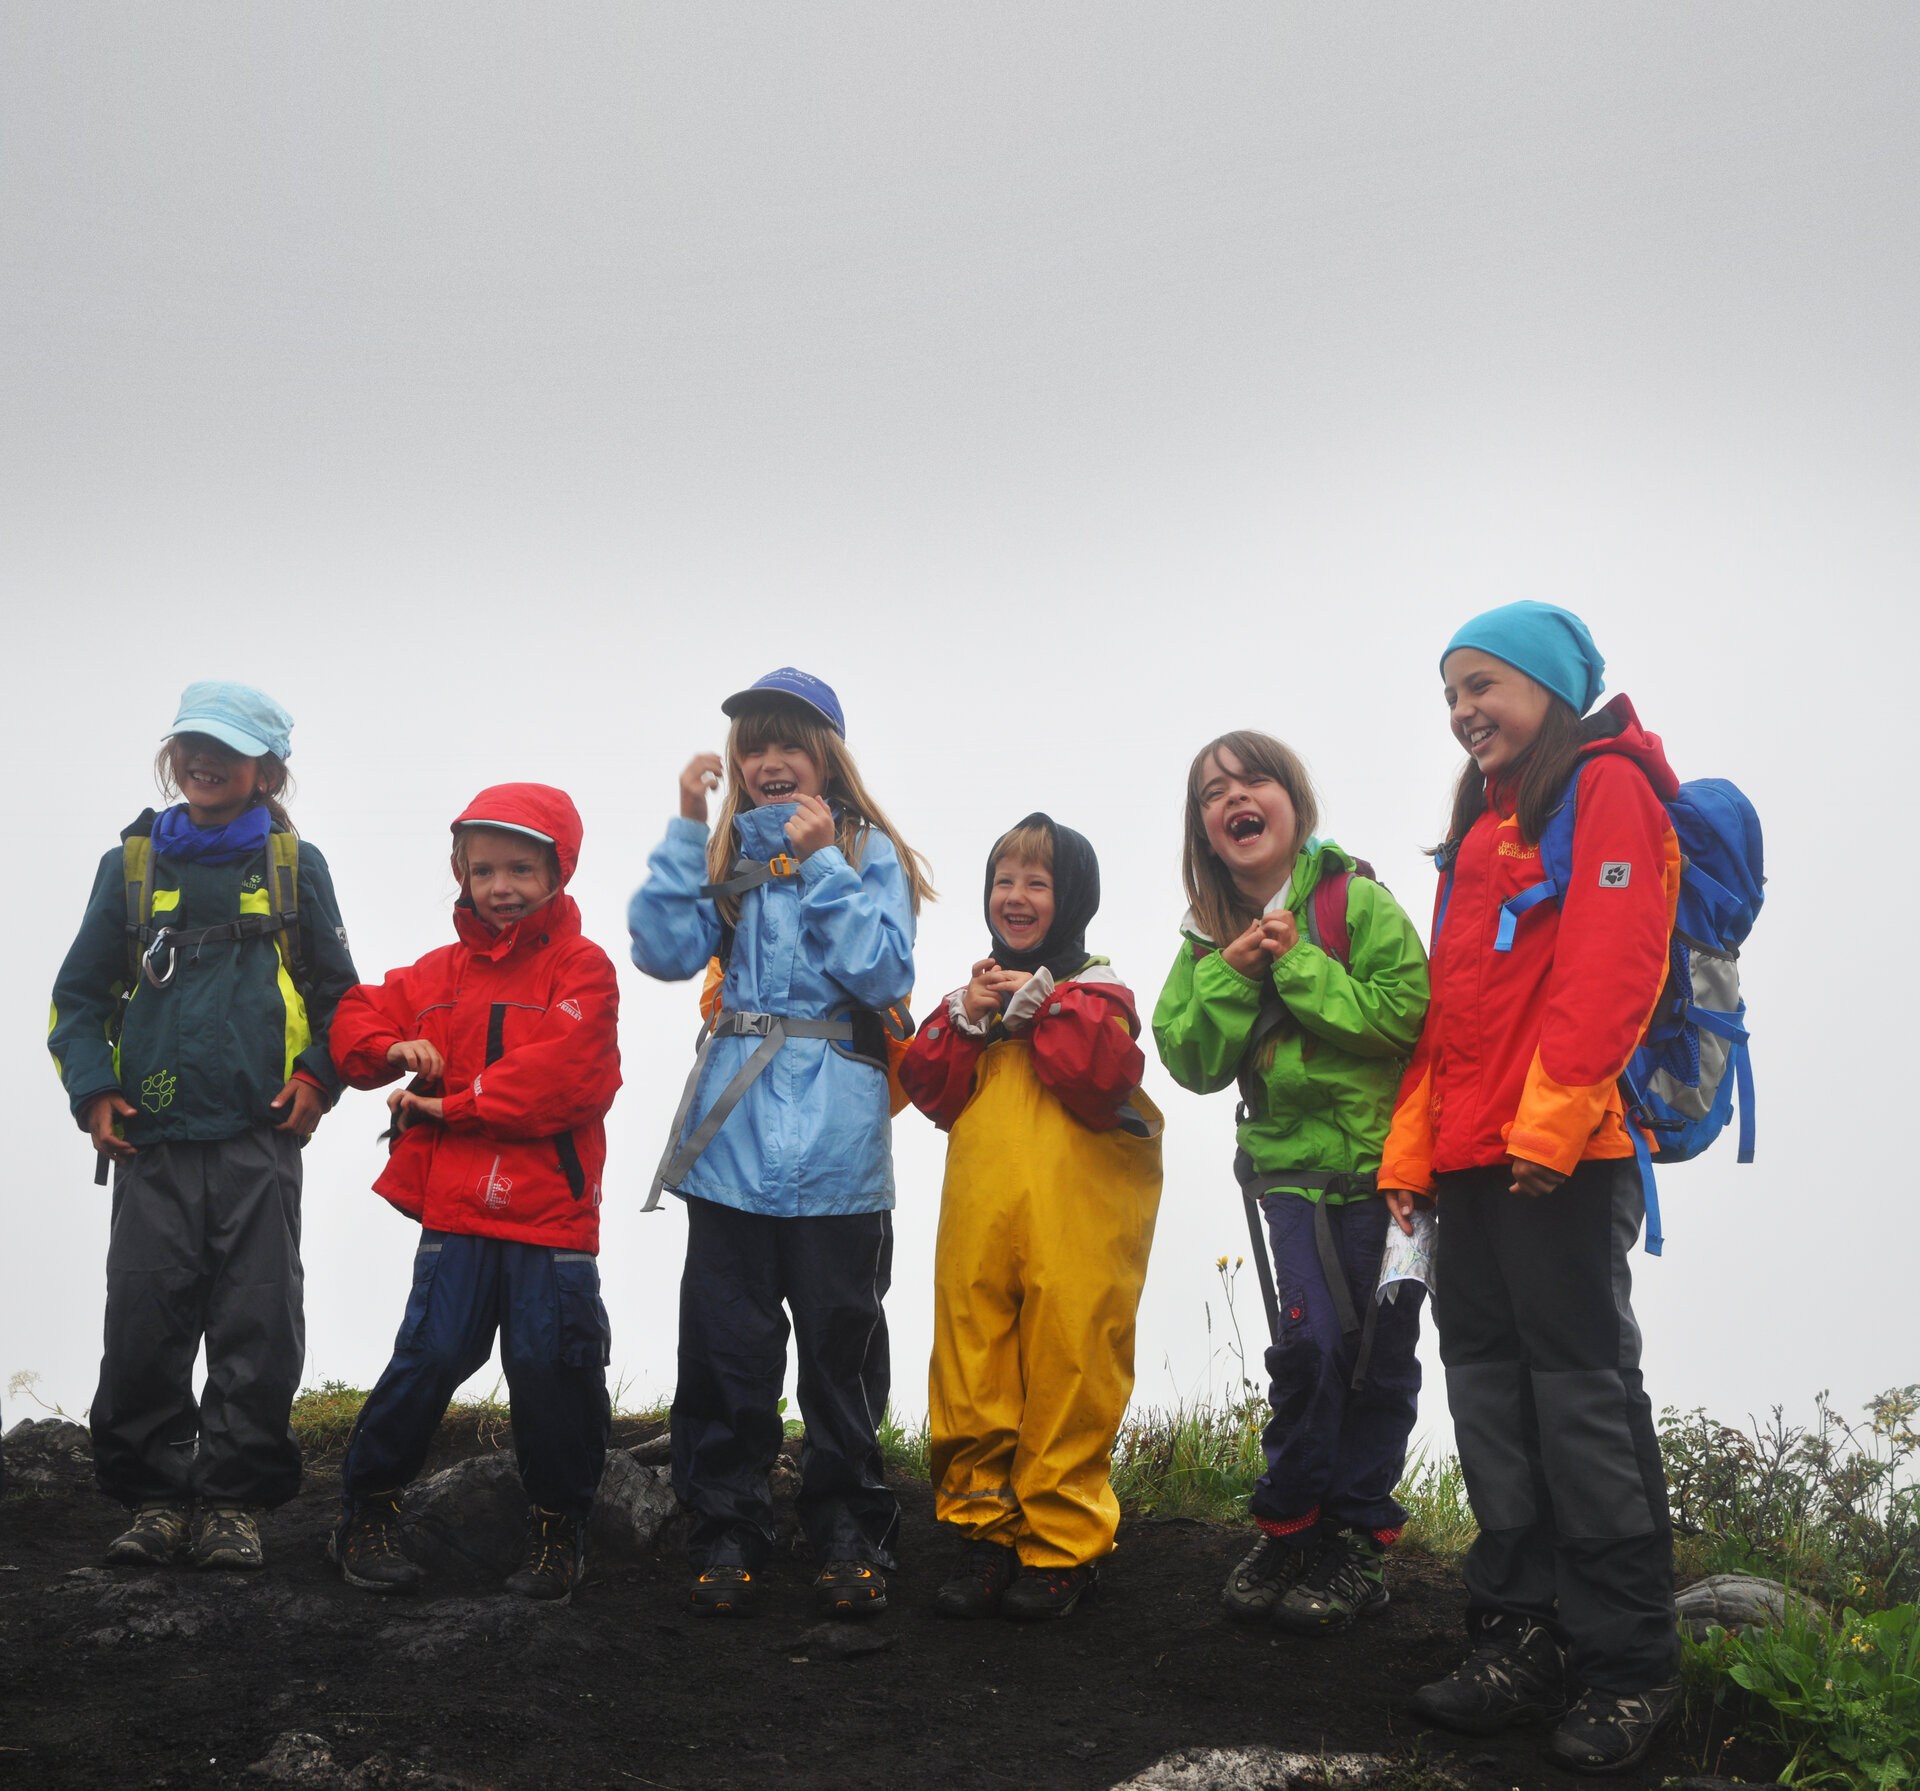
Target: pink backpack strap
<point>1327,913</point>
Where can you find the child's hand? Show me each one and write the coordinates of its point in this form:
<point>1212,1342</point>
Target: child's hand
<point>408,1107</point>
<point>1250,953</point>
<point>303,1105</point>
<point>102,1111</point>
<point>983,992</point>
<point>420,1056</point>
<point>1279,933</point>
<point>1400,1205</point>
<point>701,777</point>
<point>812,828</point>
<point>1533,1179</point>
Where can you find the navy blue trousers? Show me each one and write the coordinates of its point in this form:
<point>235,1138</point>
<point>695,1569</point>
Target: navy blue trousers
<point>832,1273</point>
<point>1335,1456</point>
<point>554,1344</point>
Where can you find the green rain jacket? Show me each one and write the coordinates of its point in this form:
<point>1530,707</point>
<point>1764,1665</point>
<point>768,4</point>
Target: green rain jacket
<point>1334,1066</point>
<point>203,1058</point>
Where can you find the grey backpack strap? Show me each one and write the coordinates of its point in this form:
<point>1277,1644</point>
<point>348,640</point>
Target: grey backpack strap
<point>773,1031</point>
<point>1334,1273</point>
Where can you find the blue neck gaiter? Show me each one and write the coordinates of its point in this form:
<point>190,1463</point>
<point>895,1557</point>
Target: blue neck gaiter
<point>175,836</point>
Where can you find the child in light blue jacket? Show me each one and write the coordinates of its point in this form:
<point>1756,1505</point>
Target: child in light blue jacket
<point>805,896</point>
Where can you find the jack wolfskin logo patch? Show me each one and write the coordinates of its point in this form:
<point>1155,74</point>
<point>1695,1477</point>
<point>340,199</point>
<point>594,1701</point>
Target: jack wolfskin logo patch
<point>251,881</point>
<point>157,1091</point>
<point>1614,874</point>
<point>570,1006</point>
<point>1513,849</point>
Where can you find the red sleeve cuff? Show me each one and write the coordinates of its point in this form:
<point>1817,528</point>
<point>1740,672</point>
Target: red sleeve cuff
<point>460,1109</point>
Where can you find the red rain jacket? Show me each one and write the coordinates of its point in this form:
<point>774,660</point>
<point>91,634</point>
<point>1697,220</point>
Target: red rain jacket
<point>1522,1050</point>
<point>1084,1053</point>
<point>526,1020</point>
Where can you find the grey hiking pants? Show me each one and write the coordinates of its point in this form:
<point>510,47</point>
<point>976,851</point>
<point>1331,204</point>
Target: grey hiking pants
<point>1554,1428</point>
<point>205,1245</point>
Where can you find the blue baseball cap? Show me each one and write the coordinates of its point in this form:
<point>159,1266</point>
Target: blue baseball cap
<point>789,681</point>
<point>236,715</point>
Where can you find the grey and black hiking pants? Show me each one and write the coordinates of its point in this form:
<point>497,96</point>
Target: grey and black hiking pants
<point>205,1246</point>
<point>1554,1429</point>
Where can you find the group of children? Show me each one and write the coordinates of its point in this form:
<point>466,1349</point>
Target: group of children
<point>209,1014</point>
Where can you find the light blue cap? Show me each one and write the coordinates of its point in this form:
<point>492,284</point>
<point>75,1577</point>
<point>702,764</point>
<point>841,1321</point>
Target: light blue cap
<point>1551,645</point>
<point>237,715</point>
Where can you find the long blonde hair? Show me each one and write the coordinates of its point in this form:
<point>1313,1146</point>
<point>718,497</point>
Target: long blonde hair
<point>273,782</point>
<point>1222,911</point>
<point>797,724</point>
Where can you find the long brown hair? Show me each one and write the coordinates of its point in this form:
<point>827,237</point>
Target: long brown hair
<point>1537,777</point>
<point>798,724</point>
<point>1222,911</point>
<point>273,782</point>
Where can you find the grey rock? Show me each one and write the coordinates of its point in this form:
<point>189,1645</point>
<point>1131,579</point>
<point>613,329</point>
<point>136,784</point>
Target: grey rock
<point>297,1759</point>
<point>432,1632</point>
<point>48,1455</point>
<point>475,1512</point>
<point>655,1452</point>
<point>1736,1601</point>
<point>1260,1769</point>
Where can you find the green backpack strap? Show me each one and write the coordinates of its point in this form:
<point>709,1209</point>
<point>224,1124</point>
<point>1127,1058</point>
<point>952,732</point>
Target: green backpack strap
<point>136,856</point>
<point>283,904</point>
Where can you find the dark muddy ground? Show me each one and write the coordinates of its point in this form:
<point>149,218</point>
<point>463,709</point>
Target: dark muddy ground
<point>188,1680</point>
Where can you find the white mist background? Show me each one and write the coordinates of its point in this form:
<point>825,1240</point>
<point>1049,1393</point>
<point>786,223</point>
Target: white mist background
<point>1065,384</point>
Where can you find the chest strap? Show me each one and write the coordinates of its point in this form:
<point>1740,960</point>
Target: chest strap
<point>150,941</point>
<point>749,874</point>
<point>773,1031</point>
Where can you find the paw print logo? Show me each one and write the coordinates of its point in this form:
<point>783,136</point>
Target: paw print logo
<point>157,1091</point>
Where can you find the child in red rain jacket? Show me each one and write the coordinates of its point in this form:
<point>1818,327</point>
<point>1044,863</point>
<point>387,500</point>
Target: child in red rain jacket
<point>1046,1219</point>
<point>1510,1118</point>
<point>498,1148</point>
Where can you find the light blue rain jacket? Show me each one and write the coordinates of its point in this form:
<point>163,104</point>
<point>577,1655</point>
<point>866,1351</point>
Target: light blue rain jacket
<point>812,1136</point>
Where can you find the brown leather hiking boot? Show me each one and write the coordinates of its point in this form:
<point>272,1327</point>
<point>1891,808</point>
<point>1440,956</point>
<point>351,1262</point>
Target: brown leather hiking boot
<point>555,1559</point>
<point>366,1548</point>
<point>228,1539</point>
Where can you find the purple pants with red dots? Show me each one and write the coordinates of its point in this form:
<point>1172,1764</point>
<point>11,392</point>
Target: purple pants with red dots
<point>1334,1456</point>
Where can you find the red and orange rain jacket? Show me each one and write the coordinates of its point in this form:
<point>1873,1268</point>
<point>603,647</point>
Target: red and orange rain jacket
<point>1522,1051</point>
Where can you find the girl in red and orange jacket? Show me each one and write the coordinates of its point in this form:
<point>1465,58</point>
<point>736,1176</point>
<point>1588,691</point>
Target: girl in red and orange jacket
<point>1046,1220</point>
<point>498,1148</point>
<point>1510,1117</point>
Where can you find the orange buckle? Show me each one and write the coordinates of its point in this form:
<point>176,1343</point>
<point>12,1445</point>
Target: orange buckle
<point>782,865</point>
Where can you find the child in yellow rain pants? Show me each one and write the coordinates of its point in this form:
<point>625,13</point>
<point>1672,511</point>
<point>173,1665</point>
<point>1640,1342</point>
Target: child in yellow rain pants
<point>1046,1219</point>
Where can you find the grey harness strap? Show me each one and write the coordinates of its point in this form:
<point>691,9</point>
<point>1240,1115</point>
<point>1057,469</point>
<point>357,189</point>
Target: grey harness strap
<point>773,1031</point>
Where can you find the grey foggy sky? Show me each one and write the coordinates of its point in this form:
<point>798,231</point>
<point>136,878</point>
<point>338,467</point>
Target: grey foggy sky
<point>500,386</point>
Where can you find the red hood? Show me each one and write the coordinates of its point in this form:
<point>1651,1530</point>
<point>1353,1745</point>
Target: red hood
<point>1631,740</point>
<point>538,808</point>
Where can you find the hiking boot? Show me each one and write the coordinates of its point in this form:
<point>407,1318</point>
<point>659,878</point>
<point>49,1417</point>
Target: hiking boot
<point>555,1560</point>
<point>1043,1592</point>
<point>366,1548</point>
<point>979,1582</point>
<point>1605,1732</point>
<point>1510,1680</point>
<point>157,1537</point>
<point>228,1540</point>
<point>1263,1578</point>
<point>1345,1581</point>
<point>850,1589</point>
<point>729,1590</point>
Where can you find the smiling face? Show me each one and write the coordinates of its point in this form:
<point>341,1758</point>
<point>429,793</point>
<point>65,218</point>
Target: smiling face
<point>508,875</point>
<point>217,782</point>
<point>1250,824</point>
<point>1494,709</point>
<point>778,770</point>
<point>1020,906</point>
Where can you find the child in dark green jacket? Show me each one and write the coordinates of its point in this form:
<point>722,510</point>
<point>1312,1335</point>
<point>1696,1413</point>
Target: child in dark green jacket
<point>1299,977</point>
<point>190,1030</point>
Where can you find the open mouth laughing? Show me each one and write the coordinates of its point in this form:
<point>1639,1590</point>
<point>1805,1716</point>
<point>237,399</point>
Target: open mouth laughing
<point>779,789</point>
<point>1478,737</point>
<point>1248,824</point>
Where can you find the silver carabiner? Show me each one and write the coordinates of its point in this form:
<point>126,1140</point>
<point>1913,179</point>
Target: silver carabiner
<point>153,950</point>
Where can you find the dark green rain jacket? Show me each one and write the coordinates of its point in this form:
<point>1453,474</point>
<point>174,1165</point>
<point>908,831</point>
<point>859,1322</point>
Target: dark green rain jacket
<point>202,1058</point>
<point>1328,1078</point>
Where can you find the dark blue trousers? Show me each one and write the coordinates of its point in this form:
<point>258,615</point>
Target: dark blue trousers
<point>832,1273</point>
<point>554,1344</point>
<point>1334,1455</point>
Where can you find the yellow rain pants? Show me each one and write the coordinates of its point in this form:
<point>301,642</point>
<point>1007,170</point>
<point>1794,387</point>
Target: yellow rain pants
<point>1045,1227</point>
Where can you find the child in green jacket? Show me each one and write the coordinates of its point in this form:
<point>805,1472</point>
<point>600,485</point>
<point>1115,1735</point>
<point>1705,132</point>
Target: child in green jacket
<point>1299,977</point>
<point>190,1030</point>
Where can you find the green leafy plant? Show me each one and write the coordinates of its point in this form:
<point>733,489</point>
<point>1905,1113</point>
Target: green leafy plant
<point>1843,1698</point>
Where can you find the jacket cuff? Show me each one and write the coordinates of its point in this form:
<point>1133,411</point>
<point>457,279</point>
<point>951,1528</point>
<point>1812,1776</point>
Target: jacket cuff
<point>1225,974</point>
<point>692,833</point>
<point>460,1109</point>
<point>822,863</point>
<point>85,1094</point>
<point>966,1027</point>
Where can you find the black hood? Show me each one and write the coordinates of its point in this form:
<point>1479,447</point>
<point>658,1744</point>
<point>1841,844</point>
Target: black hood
<point>1076,900</point>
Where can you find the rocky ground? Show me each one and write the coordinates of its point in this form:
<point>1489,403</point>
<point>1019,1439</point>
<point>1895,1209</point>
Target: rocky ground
<point>176,1679</point>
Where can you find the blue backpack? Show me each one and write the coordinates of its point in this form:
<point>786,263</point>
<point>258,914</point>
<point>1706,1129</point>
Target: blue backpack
<point>1679,1085</point>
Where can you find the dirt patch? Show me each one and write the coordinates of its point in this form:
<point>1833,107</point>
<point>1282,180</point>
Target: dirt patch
<point>176,1680</point>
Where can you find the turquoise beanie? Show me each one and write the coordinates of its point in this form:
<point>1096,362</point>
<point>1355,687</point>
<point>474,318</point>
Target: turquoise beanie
<point>1552,646</point>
